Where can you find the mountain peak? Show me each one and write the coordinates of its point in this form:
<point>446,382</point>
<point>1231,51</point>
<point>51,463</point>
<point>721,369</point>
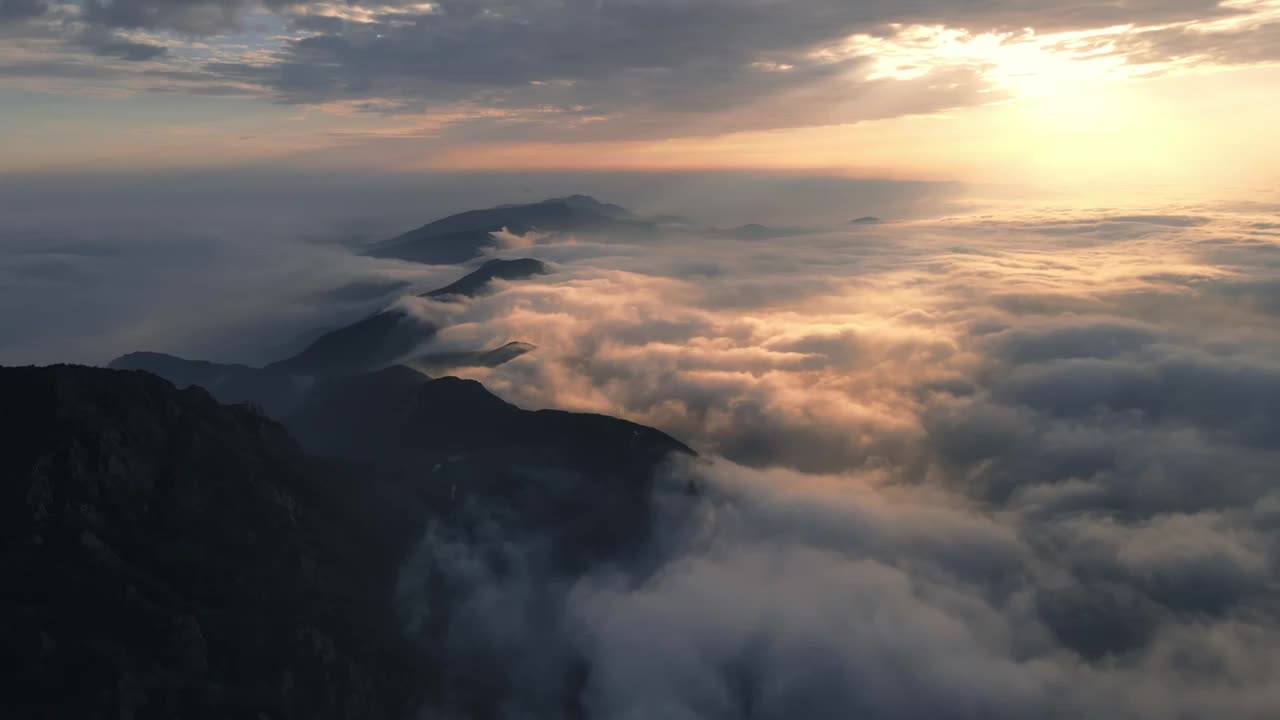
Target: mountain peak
<point>478,280</point>
<point>467,235</point>
<point>586,202</point>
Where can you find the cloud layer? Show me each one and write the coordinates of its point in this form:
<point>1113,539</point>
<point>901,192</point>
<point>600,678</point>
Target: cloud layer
<point>1013,465</point>
<point>614,68</point>
<point>986,467</point>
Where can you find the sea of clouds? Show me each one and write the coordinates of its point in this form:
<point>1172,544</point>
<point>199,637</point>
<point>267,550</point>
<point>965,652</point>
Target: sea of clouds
<point>986,467</point>
<point>1008,466</point>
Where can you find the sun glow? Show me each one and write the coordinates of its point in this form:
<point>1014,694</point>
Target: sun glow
<point>1024,62</point>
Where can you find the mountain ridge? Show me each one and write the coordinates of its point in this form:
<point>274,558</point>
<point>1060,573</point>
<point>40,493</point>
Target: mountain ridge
<point>382,339</point>
<point>170,556</point>
<point>466,235</point>
<point>167,555</point>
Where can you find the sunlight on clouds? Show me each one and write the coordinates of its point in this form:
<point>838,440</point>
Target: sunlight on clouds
<point>1029,64</point>
<point>1091,109</point>
<point>365,14</point>
<point>1190,103</point>
<point>1039,65</point>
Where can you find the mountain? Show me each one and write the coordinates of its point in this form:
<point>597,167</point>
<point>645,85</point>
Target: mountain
<point>276,392</point>
<point>168,556</point>
<point>581,483</point>
<point>868,220</point>
<point>398,412</point>
<point>759,232</point>
<point>477,282</point>
<point>375,342</point>
<point>390,335</point>
<point>461,237</point>
<point>435,363</point>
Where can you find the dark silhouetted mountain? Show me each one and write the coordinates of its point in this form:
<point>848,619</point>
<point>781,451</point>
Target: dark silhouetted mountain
<point>868,220</point>
<point>376,341</point>
<point>582,482</point>
<point>760,232</point>
<point>362,291</point>
<point>166,556</point>
<point>398,412</point>
<point>380,340</point>
<point>461,237</point>
<point>436,363</point>
<point>350,417</point>
<point>391,335</point>
<point>477,282</point>
<point>276,392</point>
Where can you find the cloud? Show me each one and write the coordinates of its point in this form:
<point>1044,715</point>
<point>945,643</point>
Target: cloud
<point>498,70</point>
<point>19,10</point>
<point>198,17</point>
<point>102,264</point>
<point>937,501</point>
<point>780,593</point>
<point>1008,466</point>
<point>207,283</point>
<point>508,240</point>
<point>110,45</point>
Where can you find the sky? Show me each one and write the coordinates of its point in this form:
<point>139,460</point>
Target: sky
<point>1179,96</point>
<point>1008,453</point>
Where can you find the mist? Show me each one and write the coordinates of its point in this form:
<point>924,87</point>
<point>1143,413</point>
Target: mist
<point>1003,466</point>
<point>1000,464</point>
<point>236,265</point>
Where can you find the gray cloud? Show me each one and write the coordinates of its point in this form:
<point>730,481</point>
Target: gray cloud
<point>1234,46</point>
<point>196,17</point>
<point>71,68</point>
<point>19,10</point>
<point>621,68</point>
<point>642,67</point>
<point>111,45</point>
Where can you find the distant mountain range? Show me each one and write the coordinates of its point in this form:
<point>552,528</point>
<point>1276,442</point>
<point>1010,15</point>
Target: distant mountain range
<point>435,363</point>
<point>378,341</point>
<point>391,335</point>
<point>478,282</point>
<point>468,235</point>
<point>193,539</point>
<point>169,555</point>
